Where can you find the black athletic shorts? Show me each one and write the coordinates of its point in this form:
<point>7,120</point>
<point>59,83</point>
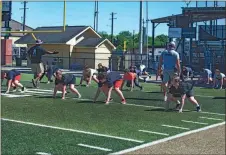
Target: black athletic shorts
<point>161,77</point>
<point>72,81</point>
<point>188,94</point>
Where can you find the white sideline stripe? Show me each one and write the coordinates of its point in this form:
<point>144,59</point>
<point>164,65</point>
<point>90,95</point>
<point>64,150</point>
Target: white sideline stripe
<point>212,113</point>
<point>194,122</point>
<point>211,118</point>
<point>43,153</point>
<point>140,105</point>
<point>205,96</point>
<point>177,127</point>
<point>37,92</point>
<point>41,90</point>
<point>167,139</point>
<point>14,96</point>
<point>147,106</point>
<point>81,99</point>
<point>158,133</point>
<point>72,130</point>
<point>95,147</point>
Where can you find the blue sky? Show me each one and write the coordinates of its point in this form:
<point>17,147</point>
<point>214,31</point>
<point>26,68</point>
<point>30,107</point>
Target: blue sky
<point>81,13</point>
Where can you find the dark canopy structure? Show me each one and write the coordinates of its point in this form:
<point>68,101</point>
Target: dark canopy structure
<point>198,14</point>
<point>188,17</point>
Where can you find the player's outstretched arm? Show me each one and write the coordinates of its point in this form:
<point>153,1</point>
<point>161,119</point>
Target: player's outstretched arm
<point>132,85</point>
<point>55,91</point>
<point>64,92</point>
<point>97,95</point>
<point>182,102</point>
<point>109,94</point>
<point>8,86</point>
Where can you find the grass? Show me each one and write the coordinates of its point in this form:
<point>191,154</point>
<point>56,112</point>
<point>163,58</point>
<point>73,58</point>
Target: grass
<point>114,119</point>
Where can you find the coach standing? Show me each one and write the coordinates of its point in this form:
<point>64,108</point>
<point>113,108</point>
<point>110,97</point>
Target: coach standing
<point>169,59</point>
<point>35,54</point>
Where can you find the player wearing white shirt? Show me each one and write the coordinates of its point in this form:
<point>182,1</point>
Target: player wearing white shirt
<point>88,75</point>
<point>218,79</point>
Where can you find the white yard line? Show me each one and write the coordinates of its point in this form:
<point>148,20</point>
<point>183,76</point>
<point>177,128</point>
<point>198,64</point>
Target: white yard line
<point>43,153</point>
<point>14,95</point>
<point>38,92</point>
<point>205,96</point>
<point>211,118</point>
<point>167,139</point>
<point>212,113</point>
<point>158,133</point>
<point>95,147</point>
<point>47,90</point>
<point>194,122</point>
<point>73,130</point>
<point>177,127</point>
<point>140,105</point>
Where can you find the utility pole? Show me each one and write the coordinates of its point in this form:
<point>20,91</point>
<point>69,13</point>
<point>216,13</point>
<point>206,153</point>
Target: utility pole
<point>147,20</point>
<point>94,22</point>
<point>112,24</point>
<point>96,12</point>
<point>141,31</point>
<point>133,40</point>
<point>24,14</point>
<point>97,16</point>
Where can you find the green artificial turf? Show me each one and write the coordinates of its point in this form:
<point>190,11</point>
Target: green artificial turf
<point>144,112</point>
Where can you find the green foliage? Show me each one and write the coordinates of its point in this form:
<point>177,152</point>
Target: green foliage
<point>128,37</point>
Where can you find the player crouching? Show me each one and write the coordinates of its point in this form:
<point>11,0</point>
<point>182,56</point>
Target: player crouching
<point>89,75</point>
<point>13,79</point>
<point>183,90</point>
<point>61,83</point>
<point>106,84</point>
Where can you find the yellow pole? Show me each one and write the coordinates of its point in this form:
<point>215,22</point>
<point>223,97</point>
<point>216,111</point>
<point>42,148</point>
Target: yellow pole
<point>33,36</point>
<point>64,18</point>
<point>124,48</point>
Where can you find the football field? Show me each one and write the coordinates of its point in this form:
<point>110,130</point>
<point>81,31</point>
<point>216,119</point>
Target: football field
<point>35,123</point>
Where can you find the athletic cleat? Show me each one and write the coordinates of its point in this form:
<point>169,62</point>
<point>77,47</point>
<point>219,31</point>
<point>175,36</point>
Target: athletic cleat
<point>23,89</point>
<point>123,101</point>
<point>33,82</point>
<point>79,96</point>
<point>198,109</point>
<point>165,98</point>
<point>37,84</point>
<point>14,89</point>
<point>177,106</point>
<point>141,88</point>
<point>111,99</point>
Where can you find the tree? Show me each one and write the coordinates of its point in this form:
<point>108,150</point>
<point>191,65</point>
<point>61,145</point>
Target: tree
<point>161,39</point>
<point>127,36</point>
<point>104,34</point>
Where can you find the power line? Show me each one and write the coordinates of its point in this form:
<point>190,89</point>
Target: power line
<point>112,24</point>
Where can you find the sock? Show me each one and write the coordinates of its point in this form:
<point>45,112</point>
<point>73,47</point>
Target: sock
<point>197,105</point>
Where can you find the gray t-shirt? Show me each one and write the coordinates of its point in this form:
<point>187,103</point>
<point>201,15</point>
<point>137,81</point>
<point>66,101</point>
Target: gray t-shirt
<point>169,58</point>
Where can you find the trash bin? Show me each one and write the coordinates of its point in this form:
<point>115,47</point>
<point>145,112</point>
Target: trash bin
<point>18,62</point>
